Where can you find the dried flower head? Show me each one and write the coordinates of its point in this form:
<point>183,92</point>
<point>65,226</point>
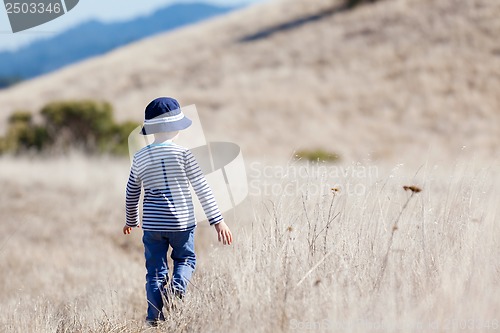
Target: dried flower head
<point>413,188</point>
<point>335,189</point>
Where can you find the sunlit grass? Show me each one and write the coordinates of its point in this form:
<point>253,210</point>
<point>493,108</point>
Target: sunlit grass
<point>382,257</point>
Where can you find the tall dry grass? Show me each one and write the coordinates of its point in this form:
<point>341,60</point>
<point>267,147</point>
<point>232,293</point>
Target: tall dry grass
<point>306,257</point>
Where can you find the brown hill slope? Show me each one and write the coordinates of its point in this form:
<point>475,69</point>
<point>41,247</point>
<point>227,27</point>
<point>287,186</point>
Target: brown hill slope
<point>395,79</point>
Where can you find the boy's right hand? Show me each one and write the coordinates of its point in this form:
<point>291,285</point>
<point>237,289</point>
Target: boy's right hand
<point>127,230</point>
<point>224,234</point>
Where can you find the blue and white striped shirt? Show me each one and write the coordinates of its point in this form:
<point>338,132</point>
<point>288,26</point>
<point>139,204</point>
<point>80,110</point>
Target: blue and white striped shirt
<point>165,171</point>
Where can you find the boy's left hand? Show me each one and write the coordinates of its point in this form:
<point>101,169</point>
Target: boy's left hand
<point>224,234</point>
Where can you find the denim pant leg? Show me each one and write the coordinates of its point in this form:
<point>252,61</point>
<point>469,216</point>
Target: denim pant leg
<point>155,250</point>
<point>184,258</point>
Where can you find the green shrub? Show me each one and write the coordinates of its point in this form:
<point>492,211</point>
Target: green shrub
<point>119,137</point>
<point>317,155</point>
<point>78,123</point>
<point>20,116</point>
<point>22,134</point>
<point>86,124</point>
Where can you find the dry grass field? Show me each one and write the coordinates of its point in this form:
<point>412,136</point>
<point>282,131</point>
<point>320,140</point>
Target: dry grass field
<point>306,258</point>
<point>408,89</point>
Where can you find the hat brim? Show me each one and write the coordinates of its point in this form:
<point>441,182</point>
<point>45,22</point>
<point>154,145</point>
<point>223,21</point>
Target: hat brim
<point>179,125</point>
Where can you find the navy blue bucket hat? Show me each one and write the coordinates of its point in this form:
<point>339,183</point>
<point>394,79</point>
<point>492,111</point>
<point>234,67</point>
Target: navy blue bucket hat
<point>164,114</point>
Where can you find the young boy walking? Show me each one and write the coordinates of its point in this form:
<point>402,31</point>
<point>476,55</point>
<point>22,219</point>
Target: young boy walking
<point>165,170</point>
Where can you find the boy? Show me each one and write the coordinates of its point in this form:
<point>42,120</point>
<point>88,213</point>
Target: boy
<point>165,170</point>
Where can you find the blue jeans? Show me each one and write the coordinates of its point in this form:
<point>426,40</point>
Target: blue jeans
<point>156,245</point>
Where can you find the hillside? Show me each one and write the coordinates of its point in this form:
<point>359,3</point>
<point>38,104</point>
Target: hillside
<point>390,80</point>
<point>94,38</point>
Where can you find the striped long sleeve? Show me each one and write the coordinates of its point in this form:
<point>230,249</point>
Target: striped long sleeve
<point>165,171</point>
<point>202,190</point>
<point>133,193</point>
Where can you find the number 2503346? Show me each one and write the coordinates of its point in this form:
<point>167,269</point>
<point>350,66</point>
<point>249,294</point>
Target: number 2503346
<point>32,8</point>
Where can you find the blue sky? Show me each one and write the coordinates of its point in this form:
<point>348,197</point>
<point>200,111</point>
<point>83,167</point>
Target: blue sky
<point>104,10</point>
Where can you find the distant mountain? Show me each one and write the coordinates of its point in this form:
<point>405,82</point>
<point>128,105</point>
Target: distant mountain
<point>94,38</point>
<point>383,82</point>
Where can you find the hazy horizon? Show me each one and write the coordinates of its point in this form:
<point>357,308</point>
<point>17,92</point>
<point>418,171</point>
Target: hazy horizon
<point>87,10</point>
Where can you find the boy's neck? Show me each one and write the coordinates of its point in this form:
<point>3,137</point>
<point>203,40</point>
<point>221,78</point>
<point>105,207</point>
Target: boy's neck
<point>166,137</point>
